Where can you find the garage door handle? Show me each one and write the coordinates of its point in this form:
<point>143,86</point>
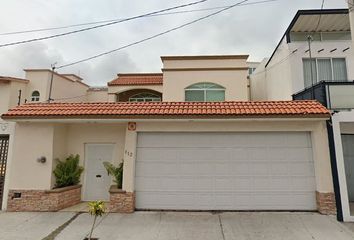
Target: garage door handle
<point>98,176</point>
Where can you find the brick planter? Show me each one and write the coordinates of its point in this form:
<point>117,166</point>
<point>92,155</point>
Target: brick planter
<point>43,200</point>
<point>121,201</point>
<point>326,203</point>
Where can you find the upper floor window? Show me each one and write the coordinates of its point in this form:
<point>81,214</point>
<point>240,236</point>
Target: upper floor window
<point>324,69</point>
<point>35,96</point>
<point>145,97</point>
<point>205,92</point>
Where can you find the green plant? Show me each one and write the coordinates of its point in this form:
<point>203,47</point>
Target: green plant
<point>96,209</point>
<point>68,172</point>
<point>116,172</point>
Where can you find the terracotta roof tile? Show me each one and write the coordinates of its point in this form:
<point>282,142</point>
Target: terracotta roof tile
<point>169,109</point>
<point>137,79</point>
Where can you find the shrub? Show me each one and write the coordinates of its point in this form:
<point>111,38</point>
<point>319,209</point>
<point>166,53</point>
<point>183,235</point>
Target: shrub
<point>68,172</point>
<point>96,209</point>
<point>116,172</point>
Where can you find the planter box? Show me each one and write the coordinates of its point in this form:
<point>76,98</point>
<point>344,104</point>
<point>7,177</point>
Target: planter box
<point>121,201</point>
<point>43,200</point>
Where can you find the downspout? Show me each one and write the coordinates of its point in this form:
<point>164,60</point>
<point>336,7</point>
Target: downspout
<point>334,168</point>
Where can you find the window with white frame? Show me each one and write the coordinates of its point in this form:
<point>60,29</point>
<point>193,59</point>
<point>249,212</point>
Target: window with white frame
<point>145,97</point>
<point>324,69</point>
<point>35,96</point>
<point>205,92</point>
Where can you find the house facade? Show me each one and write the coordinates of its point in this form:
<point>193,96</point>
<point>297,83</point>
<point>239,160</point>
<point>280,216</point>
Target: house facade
<point>37,87</point>
<point>190,139</point>
<point>327,77</point>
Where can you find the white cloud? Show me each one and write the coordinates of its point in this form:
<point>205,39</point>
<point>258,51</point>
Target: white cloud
<point>253,30</point>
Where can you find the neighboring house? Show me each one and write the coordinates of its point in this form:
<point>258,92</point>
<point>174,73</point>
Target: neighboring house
<point>288,70</point>
<point>35,88</point>
<point>288,74</point>
<point>190,140</point>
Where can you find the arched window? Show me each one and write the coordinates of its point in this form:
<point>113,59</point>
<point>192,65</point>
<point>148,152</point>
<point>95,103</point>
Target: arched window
<point>35,96</point>
<point>145,97</point>
<point>205,92</point>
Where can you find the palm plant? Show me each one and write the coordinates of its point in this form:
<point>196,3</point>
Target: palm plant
<point>116,172</point>
<point>68,172</point>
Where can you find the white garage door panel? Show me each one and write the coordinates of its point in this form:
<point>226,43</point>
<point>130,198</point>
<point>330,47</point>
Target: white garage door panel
<point>225,171</point>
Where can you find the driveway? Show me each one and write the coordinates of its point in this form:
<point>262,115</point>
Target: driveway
<point>175,225</point>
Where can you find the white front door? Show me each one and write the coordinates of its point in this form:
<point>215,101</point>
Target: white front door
<point>97,181</point>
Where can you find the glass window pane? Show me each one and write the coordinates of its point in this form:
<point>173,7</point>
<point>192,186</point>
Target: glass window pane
<point>194,96</point>
<point>307,72</point>
<point>339,69</point>
<point>298,36</point>
<point>336,36</point>
<point>324,69</point>
<point>215,95</point>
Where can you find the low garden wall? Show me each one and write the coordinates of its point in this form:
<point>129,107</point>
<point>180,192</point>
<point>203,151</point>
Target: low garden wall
<point>43,200</point>
<point>121,201</point>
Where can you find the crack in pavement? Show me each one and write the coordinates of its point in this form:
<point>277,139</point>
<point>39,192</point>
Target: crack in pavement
<point>221,227</point>
<point>59,229</point>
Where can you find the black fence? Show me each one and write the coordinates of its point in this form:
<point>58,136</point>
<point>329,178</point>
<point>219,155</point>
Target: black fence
<point>320,92</point>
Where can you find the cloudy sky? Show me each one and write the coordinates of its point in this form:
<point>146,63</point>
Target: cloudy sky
<point>252,29</point>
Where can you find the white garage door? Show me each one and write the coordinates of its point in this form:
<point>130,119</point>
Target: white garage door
<point>225,171</point>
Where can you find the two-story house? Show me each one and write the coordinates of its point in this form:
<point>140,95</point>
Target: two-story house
<point>190,140</point>
<point>315,60</point>
<point>37,87</point>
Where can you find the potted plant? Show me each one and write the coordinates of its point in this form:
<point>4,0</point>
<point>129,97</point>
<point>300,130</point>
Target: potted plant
<point>68,172</point>
<point>96,209</point>
<point>116,172</point>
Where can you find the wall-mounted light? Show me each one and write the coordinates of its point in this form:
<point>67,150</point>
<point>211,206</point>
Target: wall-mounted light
<point>42,159</point>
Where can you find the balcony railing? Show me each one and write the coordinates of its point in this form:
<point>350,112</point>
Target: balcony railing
<point>333,95</point>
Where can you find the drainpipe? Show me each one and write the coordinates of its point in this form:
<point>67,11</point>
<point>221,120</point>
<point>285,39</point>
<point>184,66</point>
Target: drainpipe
<point>334,168</point>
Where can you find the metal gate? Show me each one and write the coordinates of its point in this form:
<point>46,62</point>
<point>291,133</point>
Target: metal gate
<point>4,147</point>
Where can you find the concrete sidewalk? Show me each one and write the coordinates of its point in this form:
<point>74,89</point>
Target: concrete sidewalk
<point>178,225</point>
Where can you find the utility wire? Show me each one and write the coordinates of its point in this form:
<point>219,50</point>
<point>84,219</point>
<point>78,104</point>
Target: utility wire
<point>102,25</point>
<point>153,36</point>
<point>121,19</point>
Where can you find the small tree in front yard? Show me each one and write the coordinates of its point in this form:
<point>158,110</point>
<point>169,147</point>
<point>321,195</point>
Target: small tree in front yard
<point>116,172</point>
<point>96,209</point>
<point>68,172</point>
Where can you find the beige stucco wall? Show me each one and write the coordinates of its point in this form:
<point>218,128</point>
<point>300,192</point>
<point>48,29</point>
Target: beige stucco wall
<point>234,81</point>
<point>317,129</point>
<point>63,89</point>
<point>4,97</point>
<point>97,96</point>
<point>38,81</point>
<point>31,141</point>
<point>56,141</point>
<point>181,73</point>
<point>205,63</point>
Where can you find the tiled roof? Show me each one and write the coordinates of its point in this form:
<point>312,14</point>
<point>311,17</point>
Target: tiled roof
<point>137,79</point>
<point>8,79</point>
<point>170,109</point>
